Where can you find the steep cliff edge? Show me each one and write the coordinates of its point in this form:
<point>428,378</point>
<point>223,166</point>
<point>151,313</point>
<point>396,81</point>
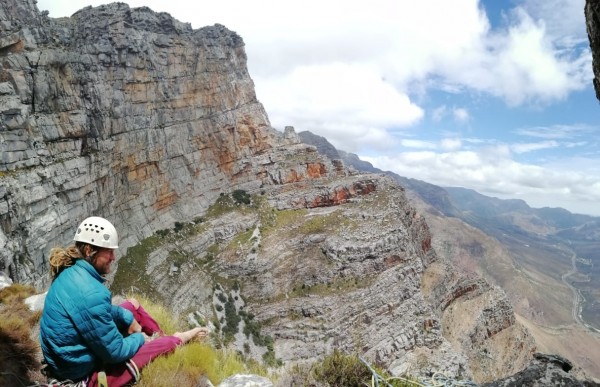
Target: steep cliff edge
<point>134,116</point>
<point>122,112</point>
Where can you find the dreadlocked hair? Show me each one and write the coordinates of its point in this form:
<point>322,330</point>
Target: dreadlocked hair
<point>61,258</point>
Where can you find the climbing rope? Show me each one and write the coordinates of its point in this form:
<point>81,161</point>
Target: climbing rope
<point>436,380</point>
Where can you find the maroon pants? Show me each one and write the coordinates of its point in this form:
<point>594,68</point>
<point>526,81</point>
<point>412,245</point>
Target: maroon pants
<point>118,375</point>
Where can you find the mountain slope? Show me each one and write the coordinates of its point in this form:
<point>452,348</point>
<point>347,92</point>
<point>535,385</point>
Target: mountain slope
<point>544,259</point>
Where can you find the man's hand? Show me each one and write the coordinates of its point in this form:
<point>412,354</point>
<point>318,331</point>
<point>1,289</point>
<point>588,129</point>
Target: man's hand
<point>135,327</point>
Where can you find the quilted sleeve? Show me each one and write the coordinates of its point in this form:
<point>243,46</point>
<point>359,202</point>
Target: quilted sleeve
<point>121,316</point>
<point>95,323</point>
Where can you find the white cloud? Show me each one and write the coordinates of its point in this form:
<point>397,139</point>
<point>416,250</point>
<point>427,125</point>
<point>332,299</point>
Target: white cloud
<point>418,144</point>
<point>438,113</point>
<point>557,131</point>
<point>520,65</point>
<point>533,146</point>
<point>461,114</point>
<point>451,144</point>
<point>343,102</point>
<point>491,171</point>
<point>564,26</point>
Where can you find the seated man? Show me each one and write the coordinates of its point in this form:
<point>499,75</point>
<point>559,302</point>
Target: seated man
<point>81,332</point>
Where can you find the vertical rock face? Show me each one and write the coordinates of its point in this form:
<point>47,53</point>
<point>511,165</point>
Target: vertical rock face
<point>592,16</point>
<point>124,113</point>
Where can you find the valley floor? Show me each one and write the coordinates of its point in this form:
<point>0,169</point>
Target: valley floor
<point>582,346</point>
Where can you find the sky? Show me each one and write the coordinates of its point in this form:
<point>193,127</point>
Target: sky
<point>491,95</point>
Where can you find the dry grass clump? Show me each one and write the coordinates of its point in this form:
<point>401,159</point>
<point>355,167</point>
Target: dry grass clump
<point>342,370</point>
<point>19,351</point>
<point>191,362</point>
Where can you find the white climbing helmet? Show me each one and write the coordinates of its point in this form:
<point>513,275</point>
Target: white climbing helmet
<point>98,232</point>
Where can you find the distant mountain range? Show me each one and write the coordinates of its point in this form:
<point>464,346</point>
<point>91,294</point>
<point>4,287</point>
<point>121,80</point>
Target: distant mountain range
<point>474,208</point>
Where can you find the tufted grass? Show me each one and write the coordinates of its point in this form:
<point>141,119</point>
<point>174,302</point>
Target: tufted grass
<point>342,370</point>
<point>19,350</point>
<point>191,362</point>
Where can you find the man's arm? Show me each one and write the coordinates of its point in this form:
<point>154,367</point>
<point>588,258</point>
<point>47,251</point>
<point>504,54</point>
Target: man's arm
<point>96,324</point>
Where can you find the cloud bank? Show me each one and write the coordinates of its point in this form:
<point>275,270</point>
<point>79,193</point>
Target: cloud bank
<point>491,170</point>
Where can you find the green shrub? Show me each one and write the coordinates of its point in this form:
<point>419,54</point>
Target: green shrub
<point>132,269</point>
<point>270,359</point>
<point>241,197</point>
<point>339,370</point>
<point>163,233</point>
<point>232,320</point>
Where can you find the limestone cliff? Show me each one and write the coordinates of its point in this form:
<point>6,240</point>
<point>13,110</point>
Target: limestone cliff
<point>125,113</point>
<point>134,116</point>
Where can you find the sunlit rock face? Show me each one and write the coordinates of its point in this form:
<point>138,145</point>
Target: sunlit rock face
<point>128,114</point>
<point>592,16</point>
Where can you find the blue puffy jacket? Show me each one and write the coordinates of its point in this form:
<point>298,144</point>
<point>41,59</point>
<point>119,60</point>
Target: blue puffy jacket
<point>80,328</point>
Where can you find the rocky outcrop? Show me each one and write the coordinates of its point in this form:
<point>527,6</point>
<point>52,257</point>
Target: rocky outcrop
<point>5,281</point>
<point>478,318</point>
<point>544,370</point>
<point>246,381</point>
<point>323,146</point>
<point>316,277</point>
<point>475,317</point>
<point>592,16</point>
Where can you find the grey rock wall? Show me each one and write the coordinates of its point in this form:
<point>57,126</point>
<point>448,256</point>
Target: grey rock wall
<point>126,114</point>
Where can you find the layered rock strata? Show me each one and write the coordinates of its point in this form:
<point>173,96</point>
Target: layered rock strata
<point>357,274</point>
<point>134,116</point>
<point>129,114</point>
